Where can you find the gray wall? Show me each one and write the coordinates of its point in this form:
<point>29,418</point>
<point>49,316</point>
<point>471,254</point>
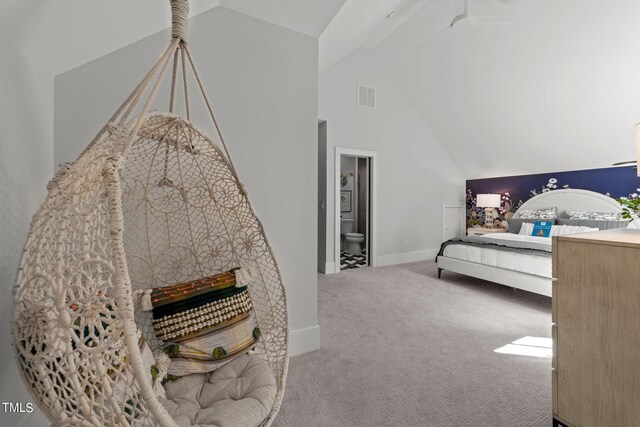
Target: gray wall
<point>25,168</point>
<point>415,174</point>
<point>262,80</point>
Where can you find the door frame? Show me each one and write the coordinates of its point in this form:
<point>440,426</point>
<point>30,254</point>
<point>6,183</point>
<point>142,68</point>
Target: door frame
<point>373,203</point>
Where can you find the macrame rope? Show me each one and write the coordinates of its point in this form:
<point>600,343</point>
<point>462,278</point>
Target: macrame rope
<point>160,67</point>
<point>210,109</point>
<point>184,81</point>
<point>154,91</point>
<point>180,19</point>
<point>129,103</point>
<point>172,97</point>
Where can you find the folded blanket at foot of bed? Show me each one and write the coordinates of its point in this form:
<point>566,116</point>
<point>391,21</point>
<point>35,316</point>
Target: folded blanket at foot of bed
<point>529,247</point>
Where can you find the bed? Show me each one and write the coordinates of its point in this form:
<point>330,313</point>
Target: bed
<point>527,268</point>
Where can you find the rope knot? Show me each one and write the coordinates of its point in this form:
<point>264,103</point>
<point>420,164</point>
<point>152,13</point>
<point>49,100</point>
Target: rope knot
<point>180,19</point>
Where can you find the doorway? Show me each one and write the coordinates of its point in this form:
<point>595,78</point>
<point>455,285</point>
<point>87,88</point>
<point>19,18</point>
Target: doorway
<point>355,208</point>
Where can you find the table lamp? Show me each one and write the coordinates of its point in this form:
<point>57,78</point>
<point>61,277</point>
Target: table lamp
<point>489,202</point>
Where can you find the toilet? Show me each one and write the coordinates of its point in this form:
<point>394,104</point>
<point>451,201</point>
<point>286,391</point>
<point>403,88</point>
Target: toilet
<point>350,241</point>
<point>353,241</point>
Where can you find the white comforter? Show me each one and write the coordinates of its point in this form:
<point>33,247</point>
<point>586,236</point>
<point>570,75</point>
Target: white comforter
<point>543,243</point>
<point>524,263</point>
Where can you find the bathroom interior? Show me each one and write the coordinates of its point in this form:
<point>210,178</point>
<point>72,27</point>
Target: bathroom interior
<point>354,212</point>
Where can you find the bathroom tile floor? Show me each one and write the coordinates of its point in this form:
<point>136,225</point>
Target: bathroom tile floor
<point>348,261</point>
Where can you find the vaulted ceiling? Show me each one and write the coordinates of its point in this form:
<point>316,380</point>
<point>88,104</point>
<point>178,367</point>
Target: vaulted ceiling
<point>510,80</point>
<point>64,34</point>
<point>68,33</point>
<point>523,87</point>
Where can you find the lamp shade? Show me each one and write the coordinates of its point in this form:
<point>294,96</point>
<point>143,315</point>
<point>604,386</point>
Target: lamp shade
<point>488,201</point>
<point>638,147</point>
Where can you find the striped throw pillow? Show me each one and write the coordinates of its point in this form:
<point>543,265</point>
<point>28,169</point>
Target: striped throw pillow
<point>205,323</point>
<point>602,216</point>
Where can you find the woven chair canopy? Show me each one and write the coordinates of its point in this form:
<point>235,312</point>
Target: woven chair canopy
<point>151,202</point>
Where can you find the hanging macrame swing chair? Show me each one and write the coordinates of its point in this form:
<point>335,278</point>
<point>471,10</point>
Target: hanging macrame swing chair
<point>153,208</point>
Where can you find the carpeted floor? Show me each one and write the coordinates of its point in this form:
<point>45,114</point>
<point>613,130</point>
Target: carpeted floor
<point>402,348</point>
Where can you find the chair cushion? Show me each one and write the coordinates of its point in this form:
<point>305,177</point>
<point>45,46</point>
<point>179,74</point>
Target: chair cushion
<point>241,393</point>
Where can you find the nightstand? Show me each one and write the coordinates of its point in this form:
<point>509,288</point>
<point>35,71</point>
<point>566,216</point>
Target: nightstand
<point>479,231</point>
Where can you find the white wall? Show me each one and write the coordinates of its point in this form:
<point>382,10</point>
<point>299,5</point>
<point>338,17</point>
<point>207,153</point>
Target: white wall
<point>557,89</point>
<point>263,82</point>
<point>40,39</point>
<point>25,167</point>
<point>415,174</point>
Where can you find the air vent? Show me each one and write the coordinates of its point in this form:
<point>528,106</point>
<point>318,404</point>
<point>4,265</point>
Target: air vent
<point>366,96</point>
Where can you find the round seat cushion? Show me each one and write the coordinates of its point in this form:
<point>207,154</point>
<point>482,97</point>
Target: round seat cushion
<point>241,393</point>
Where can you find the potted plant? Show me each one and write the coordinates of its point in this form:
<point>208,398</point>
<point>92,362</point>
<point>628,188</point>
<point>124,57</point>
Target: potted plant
<point>630,207</point>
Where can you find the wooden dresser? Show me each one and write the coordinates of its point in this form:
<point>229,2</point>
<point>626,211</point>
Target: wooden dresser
<point>596,329</point>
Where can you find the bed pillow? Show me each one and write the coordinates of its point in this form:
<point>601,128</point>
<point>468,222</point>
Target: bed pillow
<point>204,323</point>
<point>606,216</point>
<point>542,228</point>
<point>597,223</point>
<point>557,230</point>
<point>561,230</point>
<point>515,224</point>
<point>544,213</point>
<point>527,228</point>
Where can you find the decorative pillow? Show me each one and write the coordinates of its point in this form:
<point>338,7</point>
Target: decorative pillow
<point>526,229</point>
<point>515,224</point>
<point>595,223</point>
<point>155,366</point>
<point>545,213</point>
<point>204,323</point>
<point>606,216</point>
<point>542,228</point>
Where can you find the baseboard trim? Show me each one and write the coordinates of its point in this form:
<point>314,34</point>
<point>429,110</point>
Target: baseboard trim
<point>326,267</point>
<point>405,257</point>
<point>304,340</point>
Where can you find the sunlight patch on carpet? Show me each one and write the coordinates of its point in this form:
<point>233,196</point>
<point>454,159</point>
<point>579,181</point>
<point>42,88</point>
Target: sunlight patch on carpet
<point>528,346</point>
